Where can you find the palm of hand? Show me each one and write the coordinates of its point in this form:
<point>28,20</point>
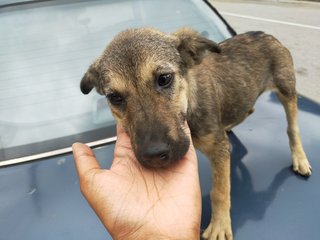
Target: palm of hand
<point>134,202</point>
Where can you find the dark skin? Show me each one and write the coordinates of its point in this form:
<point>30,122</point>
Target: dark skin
<point>138,203</point>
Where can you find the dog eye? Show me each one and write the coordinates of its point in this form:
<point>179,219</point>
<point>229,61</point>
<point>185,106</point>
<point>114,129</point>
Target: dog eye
<point>115,98</point>
<point>165,80</point>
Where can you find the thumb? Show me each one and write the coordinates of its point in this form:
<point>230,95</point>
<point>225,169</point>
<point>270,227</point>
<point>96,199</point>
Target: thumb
<point>84,159</point>
<point>188,132</point>
<point>191,154</point>
<point>123,139</point>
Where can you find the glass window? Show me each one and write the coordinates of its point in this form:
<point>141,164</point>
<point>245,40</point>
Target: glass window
<point>45,50</point>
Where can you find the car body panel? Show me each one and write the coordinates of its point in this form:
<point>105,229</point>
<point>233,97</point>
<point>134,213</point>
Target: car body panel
<point>42,200</point>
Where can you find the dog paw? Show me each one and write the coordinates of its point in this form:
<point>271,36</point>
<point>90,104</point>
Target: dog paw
<point>218,230</point>
<point>301,165</point>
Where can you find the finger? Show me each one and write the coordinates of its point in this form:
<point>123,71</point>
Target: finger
<point>121,133</point>
<point>191,154</point>
<point>120,129</point>
<point>123,139</point>
<point>186,128</point>
<point>84,159</point>
<point>188,132</point>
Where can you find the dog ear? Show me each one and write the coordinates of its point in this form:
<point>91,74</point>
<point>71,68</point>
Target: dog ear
<point>90,80</point>
<point>192,46</point>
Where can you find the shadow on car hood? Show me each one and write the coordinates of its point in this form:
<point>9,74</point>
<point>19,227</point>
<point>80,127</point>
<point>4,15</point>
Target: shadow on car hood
<point>269,201</point>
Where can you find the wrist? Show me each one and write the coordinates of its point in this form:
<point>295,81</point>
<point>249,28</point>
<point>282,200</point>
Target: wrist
<point>156,234</point>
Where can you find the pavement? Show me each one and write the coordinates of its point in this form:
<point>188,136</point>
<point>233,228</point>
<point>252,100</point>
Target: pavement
<point>295,23</point>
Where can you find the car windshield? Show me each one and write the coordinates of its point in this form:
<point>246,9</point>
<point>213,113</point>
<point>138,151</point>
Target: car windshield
<point>46,47</point>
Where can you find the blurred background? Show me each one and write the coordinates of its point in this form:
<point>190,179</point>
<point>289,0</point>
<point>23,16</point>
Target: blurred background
<point>295,23</point>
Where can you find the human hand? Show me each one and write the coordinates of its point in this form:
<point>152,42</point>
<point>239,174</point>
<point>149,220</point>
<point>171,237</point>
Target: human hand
<point>137,203</point>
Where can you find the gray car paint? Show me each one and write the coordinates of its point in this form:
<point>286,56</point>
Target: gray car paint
<point>41,199</point>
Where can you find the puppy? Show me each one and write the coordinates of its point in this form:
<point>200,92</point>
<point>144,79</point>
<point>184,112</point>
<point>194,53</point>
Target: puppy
<point>155,81</point>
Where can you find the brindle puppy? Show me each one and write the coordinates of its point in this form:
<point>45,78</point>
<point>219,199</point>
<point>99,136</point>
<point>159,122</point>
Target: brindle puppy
<point>155,81</point>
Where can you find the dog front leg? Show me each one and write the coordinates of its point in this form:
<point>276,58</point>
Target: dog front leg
<point>219,155</point>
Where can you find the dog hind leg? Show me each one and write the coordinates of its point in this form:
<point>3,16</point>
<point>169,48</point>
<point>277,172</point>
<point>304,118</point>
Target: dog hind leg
<point>284,80</point>
<point>300,162</point>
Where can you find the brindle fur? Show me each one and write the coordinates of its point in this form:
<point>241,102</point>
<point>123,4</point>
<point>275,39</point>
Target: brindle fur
<point>215,87</point>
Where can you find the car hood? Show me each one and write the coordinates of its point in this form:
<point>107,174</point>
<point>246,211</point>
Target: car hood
<point>41,199</point>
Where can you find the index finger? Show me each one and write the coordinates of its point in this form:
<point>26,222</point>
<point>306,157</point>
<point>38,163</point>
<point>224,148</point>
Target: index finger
<point>123,139</point>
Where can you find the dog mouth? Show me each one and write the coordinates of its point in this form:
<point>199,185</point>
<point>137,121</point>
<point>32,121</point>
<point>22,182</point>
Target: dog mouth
<point>157,150</point>
<point>157,144</point>
<point>159,157</point>
<point>162,155</point>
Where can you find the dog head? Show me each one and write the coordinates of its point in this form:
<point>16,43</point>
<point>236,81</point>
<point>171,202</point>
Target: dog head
<point>143,74</point>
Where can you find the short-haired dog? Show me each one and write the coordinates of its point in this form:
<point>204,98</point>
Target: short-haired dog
<point>154,82</point>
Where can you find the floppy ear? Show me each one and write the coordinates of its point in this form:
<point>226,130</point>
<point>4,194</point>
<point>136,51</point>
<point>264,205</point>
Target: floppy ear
<point>90,80</point>
<point>192,46</point>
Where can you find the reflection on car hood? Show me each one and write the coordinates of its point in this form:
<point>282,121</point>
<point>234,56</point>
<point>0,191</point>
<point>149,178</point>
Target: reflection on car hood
<point>43,199</point>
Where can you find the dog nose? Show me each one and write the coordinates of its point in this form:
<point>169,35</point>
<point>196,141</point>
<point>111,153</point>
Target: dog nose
<point>156,154</point>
